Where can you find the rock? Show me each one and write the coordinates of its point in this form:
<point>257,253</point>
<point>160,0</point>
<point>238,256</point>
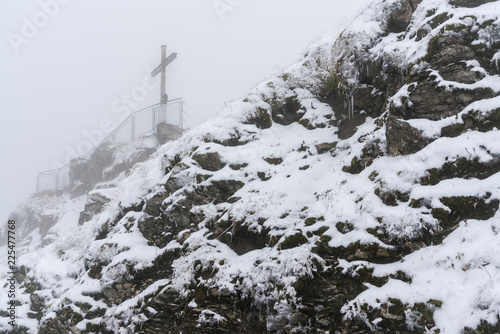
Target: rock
<point>460,73</point>
<point>286,112</point>
<point>273,161</point>
<point>167,132</point>
<point>400,18</point>
<point>37,305</point>
<point>94,205</point>
<point>64,323</point>
<point>370,98</point>
<point>106,163</point>
<point>104,154</point>
<point>209,161</point>
<point>29,217</point>
<point>118,292</point>
<point>349,126</point>
<point>154,204</point>
<point>449,48</point>
<point>469,3</point>
<point>360,255</point>
<point>433,102</point>
<point>79,177</point>
<point>325,147</point>
<point>224,189</point>
<point>260,118</point>
<point>53,326</point>
<point>240,239</point>
<point>164,222</point>
<point>385,314</point>
<point>78,189</point>
<point>158,231</point>
<point>136,206</point>
<point>122,164</point>
<point>402,138</point>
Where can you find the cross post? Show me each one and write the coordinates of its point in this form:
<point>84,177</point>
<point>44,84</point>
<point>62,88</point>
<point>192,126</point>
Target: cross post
<point>165,61</point>
<point>162,69</point>
<point>163,93</point>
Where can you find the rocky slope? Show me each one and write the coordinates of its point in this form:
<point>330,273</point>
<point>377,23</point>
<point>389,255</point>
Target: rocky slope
<point>356,192</point>
<point>52,212</point>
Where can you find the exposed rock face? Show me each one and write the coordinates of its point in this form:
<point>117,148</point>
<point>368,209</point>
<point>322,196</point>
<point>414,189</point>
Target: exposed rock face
<point>355,193</point>
<point>448,54</point>
<point>106,163</point>
<point>110,160</point>
<point>469,3</point>
<point>167,132</point>
<point>209,161</point>
<point>400,18</point>
<point>30,217</point>
<point>402,138</point>
<point>177,217</point>
<point>94,205</point>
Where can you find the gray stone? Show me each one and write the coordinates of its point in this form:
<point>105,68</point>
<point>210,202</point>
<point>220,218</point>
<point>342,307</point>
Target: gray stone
<point>402,138</point>
<point>37,305</point>
<point>94,205</point>
<point>167,132</point>
<point>400,17</point>
<point>433,102</point>
<point>79,177</point>
<point>460,73</point>
<point>449,48</point>
<point>469,3</point>
<point>325,147</point>
<point>104,164</point>
<point>209,161</point>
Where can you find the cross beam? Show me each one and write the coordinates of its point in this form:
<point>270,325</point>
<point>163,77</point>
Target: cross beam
<point>162,69</point>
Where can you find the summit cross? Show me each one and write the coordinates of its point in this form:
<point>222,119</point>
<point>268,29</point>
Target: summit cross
<point>165,61</point>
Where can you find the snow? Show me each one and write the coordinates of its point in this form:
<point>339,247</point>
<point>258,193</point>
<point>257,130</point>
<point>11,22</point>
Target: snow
<point>210,317</point>
<point>463,272</point>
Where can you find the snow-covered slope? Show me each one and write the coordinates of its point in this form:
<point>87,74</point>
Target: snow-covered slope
<point>356,192</point>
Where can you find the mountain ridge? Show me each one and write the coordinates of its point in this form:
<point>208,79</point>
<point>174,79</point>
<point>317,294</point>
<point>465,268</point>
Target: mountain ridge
<point>353,193</point>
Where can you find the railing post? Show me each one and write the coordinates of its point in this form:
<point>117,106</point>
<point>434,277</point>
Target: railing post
<point>132,126</point>
<point>65,177</point>
<point>162,117</point>
<point>181,114</point>
<point>61,178</point>
<point>153,119</point>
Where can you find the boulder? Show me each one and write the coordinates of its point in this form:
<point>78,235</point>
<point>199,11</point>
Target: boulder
<point>402,138</point>
<point>209,161</point>
<point>469,3</point>
<point>400,18</point>
<point>94,205</point>
<point>167,132</point>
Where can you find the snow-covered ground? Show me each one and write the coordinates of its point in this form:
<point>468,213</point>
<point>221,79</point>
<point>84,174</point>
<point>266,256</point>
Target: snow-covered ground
<point>462,272</point>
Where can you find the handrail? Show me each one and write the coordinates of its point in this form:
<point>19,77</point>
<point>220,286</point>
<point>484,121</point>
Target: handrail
<point>120,126</point>
<point>56,172</point>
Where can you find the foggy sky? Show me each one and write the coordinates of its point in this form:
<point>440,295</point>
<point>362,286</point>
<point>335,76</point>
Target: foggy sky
<point>66,65</point>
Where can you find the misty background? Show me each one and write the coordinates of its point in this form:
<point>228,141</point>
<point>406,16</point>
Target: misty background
<point>66,65</point>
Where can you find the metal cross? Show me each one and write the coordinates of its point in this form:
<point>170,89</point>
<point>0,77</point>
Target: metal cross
<point>162,68</point>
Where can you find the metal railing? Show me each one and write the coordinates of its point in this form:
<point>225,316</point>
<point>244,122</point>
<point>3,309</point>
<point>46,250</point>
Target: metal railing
<point>140,123</point>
